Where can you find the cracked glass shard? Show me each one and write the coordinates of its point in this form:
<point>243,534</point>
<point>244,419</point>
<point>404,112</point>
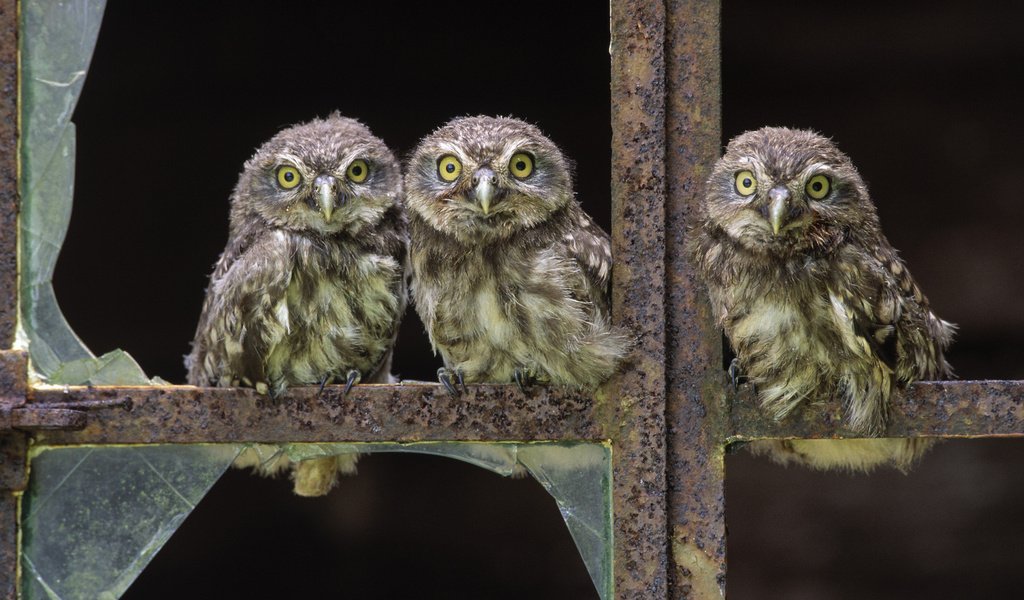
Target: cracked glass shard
<point>94,517</point>
<point>579,478</point>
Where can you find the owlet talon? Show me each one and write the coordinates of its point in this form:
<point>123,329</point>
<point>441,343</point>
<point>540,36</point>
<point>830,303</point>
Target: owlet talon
<point>323,383</point>
<point>354,377</point>
<point>444,376</point>
<point>734,373</point>
<point>524,379</point>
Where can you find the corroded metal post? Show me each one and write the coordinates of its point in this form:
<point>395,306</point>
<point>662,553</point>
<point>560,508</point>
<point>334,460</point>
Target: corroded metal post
<point>13,445</point>
<point>8,171</point>
<point>696,383</point>
<point>638,237</point>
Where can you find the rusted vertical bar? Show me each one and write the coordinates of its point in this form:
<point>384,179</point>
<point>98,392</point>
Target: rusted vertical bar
<point>8,171</point>
<point>13,479</point>
<point>8,544</point>
<point>637,415</point>
<point>13,471</point>
<point>12,445</point>
<point>695,377</point>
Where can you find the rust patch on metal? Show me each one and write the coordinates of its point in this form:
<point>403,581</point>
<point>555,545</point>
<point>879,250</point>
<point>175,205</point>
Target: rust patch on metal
<point>636,399</point>
<point>700,569</point>
<point>8,171</point>
<point>370,413</point>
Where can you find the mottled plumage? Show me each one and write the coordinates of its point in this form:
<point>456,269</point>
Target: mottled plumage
<point>312,283</point>
<point>815,301</point>
<point>510,276</point>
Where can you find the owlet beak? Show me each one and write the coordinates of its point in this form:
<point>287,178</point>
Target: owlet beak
<point>485,184</point>
<point>326,194</point>
<point>778,207</point>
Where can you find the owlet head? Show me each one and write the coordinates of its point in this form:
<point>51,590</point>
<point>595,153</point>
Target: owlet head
<point>785,191</point>
<point>486,177</point>
<point>324,176</point>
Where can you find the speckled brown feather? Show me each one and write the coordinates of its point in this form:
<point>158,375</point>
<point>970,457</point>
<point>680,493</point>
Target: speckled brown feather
<point>825,307</point>
<point>297,298</point>
<point>524,287</point>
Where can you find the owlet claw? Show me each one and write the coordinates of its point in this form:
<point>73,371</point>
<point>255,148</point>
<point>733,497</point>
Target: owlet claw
<point>354,377</point>
<point>735,374</point>
<point>524,379</point>
<point>445,377</point>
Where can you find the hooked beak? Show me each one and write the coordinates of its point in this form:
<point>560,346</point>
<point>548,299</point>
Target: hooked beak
<point>485,184</point>
<point>778,207</point>
<point>326,194</point>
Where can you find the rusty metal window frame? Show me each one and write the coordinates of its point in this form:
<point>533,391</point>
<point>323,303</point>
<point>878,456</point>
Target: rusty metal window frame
<point>668,416</point>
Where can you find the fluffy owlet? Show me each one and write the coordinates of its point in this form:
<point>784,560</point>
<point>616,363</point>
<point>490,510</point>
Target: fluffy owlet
<point>510,276</point>
<point>312,283</point>
<point>815,302</point>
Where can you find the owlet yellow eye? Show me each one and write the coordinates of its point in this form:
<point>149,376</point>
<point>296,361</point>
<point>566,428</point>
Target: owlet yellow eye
<point>818,187</point>
<point>521,165</point>
<point>357,171</point>
<point>746,183</point>
<point>449,167</point>
<point>288,177</point>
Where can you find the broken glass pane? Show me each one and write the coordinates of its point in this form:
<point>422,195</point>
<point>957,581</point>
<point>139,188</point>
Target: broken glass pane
<point>57,40</point>
<point>94,517</point>
<point>577,475</point>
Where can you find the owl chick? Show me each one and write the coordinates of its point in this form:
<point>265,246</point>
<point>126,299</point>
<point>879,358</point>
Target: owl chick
<point>815,302</point>
<point>312,284</point>
<point>510,276</point>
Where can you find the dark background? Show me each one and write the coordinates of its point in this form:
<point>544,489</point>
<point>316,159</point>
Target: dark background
<point>924,96</point>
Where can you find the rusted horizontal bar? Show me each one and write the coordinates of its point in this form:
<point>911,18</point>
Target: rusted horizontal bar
<point>370,413</point>
<point>47,418</point>
<point>940,408</point>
